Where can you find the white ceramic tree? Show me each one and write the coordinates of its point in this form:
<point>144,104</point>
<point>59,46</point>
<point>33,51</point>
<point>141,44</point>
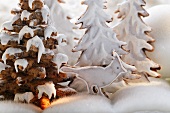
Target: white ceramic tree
<point>99,41</point>
<point>134,31</point>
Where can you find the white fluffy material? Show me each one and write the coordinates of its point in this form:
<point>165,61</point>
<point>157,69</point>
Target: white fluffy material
<point>150,112</point>
<point>154,96</point>
<point>80,104</point>
<point>151,97</point>
<point>13,107</point>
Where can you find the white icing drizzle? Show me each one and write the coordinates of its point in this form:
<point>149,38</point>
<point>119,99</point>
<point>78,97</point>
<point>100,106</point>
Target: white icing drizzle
<point>62,39</point>
<point>48,31</point>
<point>3,66</point>
<point>24,30</point>
<point>45,13</point>
<point>28,96</point>
<point>48,51</point>
<point>21,62</point>
<point>10,51</point>
<point>32,22</point>
<point>5,38</point>
<point>25,14</point>
<point>8,24</point>
<point>43,71</point>
<point>19,79</point>
<point>30,3</point>
<point>37,42</point>
<point>48,88</point>
<point>17,9</point>
<point>59,59</point>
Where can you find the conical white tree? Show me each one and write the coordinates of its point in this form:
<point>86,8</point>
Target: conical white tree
<point>135,32</point>
<point>99,41</point>
<point>59,17</point>
<point>100,48</point>
<point>64,26</point>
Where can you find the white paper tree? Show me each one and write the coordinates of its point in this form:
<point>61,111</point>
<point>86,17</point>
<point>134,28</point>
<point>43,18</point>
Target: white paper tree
<point>99,41</point>
<point>135,32</point>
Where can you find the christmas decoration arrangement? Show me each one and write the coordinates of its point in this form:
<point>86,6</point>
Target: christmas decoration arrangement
<point>43,64</point>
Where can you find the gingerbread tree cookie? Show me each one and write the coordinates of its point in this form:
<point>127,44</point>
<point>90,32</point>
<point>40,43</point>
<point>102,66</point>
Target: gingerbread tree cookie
<point>135,32</point>
<point>29,68</point>
<point>99,41</point>
<point>100,62</point>
<point>63,26</point>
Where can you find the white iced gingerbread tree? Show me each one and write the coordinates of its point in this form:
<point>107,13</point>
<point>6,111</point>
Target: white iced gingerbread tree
<point>99,41</point>
<point>134,31</point>
<point>100,48</point>
<point>60,21</point>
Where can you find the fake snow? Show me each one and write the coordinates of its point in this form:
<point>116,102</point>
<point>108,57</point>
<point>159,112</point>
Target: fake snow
<point>10,51</point>
<point>47,88</point>
<point>24,30</point>
<point>13,107</point>
<point>153,97</point>
<point>20,62</point>
<point>81,104</point>
<point>37,42</point>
